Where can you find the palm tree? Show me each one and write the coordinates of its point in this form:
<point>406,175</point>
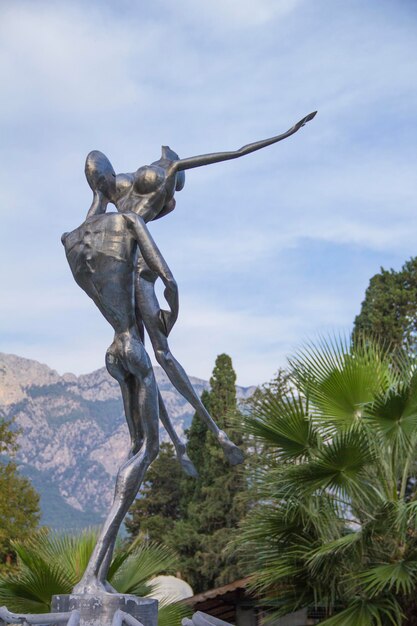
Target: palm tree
<point>50,564</point>
<point>336,524</point>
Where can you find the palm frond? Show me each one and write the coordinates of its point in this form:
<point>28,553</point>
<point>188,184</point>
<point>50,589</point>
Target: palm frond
<point>283,423</point>
<point>172,614</point>
<point>339,377</point>
<point>400,576</point>
<point>363,612</point>
<point>410,516</point>
<point>390,520</point>
<point>142,564</point>
<point>31,590</point>
<point>344,544</point>
<point>69,552</point>
<point>393,414</point>
<point>338,466</point>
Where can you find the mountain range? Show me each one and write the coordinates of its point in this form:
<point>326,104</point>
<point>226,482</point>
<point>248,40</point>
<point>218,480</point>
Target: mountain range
<point>73,436</point>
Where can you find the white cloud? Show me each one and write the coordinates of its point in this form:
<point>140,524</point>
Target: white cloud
<point>239,13</point>
<point>69,58</point>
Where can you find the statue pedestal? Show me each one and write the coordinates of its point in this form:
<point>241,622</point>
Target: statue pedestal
<point>101,609</point>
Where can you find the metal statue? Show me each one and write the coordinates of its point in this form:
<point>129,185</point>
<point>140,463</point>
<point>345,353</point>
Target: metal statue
<point>114,259</point>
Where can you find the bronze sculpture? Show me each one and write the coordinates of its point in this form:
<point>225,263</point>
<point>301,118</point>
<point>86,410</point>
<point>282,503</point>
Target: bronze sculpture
<point>114,259</point>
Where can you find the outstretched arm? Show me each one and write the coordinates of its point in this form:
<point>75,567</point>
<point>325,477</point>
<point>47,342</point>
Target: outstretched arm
<point>215,157</point>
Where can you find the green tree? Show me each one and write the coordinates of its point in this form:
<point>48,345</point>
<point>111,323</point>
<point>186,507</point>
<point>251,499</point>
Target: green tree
<point>19,502</point>
<point>154,513</point>
<point>260,453</point>
<point>197,451</point>
<point>336,524</point>
<point>185,534</point>
<point>389,311</point>
<point>212,505</point>
<point>279,386</point>
<point>223,390</point>
<point>51,564</point>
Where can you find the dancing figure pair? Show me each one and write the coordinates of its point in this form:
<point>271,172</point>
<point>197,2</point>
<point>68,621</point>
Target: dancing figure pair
<point>115,260</point>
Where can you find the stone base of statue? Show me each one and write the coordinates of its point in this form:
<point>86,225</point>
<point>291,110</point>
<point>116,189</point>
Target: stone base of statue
<point>108,609</point>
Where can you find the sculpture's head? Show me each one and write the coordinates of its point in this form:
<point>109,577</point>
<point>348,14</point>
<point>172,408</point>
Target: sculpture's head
<point>100,175</point>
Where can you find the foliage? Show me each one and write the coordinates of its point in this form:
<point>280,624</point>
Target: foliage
<point>389,311</point>
<point>213,504</point>
<point>279,386</point>
<point>336,524</point>
<point>196,437</point>
<point>258,454</point>
<point>154,513</point>
<point>19,502</point>
<point>51,564</point>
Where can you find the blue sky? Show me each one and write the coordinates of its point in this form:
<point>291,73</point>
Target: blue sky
<point>268,250</point>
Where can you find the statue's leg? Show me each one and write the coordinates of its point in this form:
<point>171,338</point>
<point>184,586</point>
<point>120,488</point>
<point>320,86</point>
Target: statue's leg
<point>134,360</point>
<point>130,392</point>
<point>179,445</point>
<point>131,406</point>
<point>149,308</point>
<point>180,448</point>
<point>129,388</point>
<point>181,382</point>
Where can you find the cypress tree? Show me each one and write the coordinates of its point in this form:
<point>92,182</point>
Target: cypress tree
<point>197,437</point>
<point>212,508</point>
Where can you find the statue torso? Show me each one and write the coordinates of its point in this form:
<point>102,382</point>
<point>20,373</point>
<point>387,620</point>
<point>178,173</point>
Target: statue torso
<point>102,254</point>
<point>147,189</point>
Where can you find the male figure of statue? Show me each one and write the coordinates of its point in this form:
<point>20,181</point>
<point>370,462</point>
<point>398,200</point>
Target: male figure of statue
<point>102,254</point>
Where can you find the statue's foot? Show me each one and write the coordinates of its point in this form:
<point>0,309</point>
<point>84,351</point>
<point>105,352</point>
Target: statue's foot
<point>91,586</point>
<point>185,461</point>
<point>232,453</point>
<point>187,465</point>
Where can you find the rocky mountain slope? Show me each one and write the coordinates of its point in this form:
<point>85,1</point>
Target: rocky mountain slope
<point>73,435</point>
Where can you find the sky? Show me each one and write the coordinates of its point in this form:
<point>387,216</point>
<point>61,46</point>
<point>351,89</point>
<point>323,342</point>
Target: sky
<point>269,250</point>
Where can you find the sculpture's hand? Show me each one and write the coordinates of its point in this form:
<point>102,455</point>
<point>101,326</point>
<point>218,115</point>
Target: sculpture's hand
<point>304,121</point>
<point>157,264</point>
<point>168,318</point>
<point>165,322</point>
